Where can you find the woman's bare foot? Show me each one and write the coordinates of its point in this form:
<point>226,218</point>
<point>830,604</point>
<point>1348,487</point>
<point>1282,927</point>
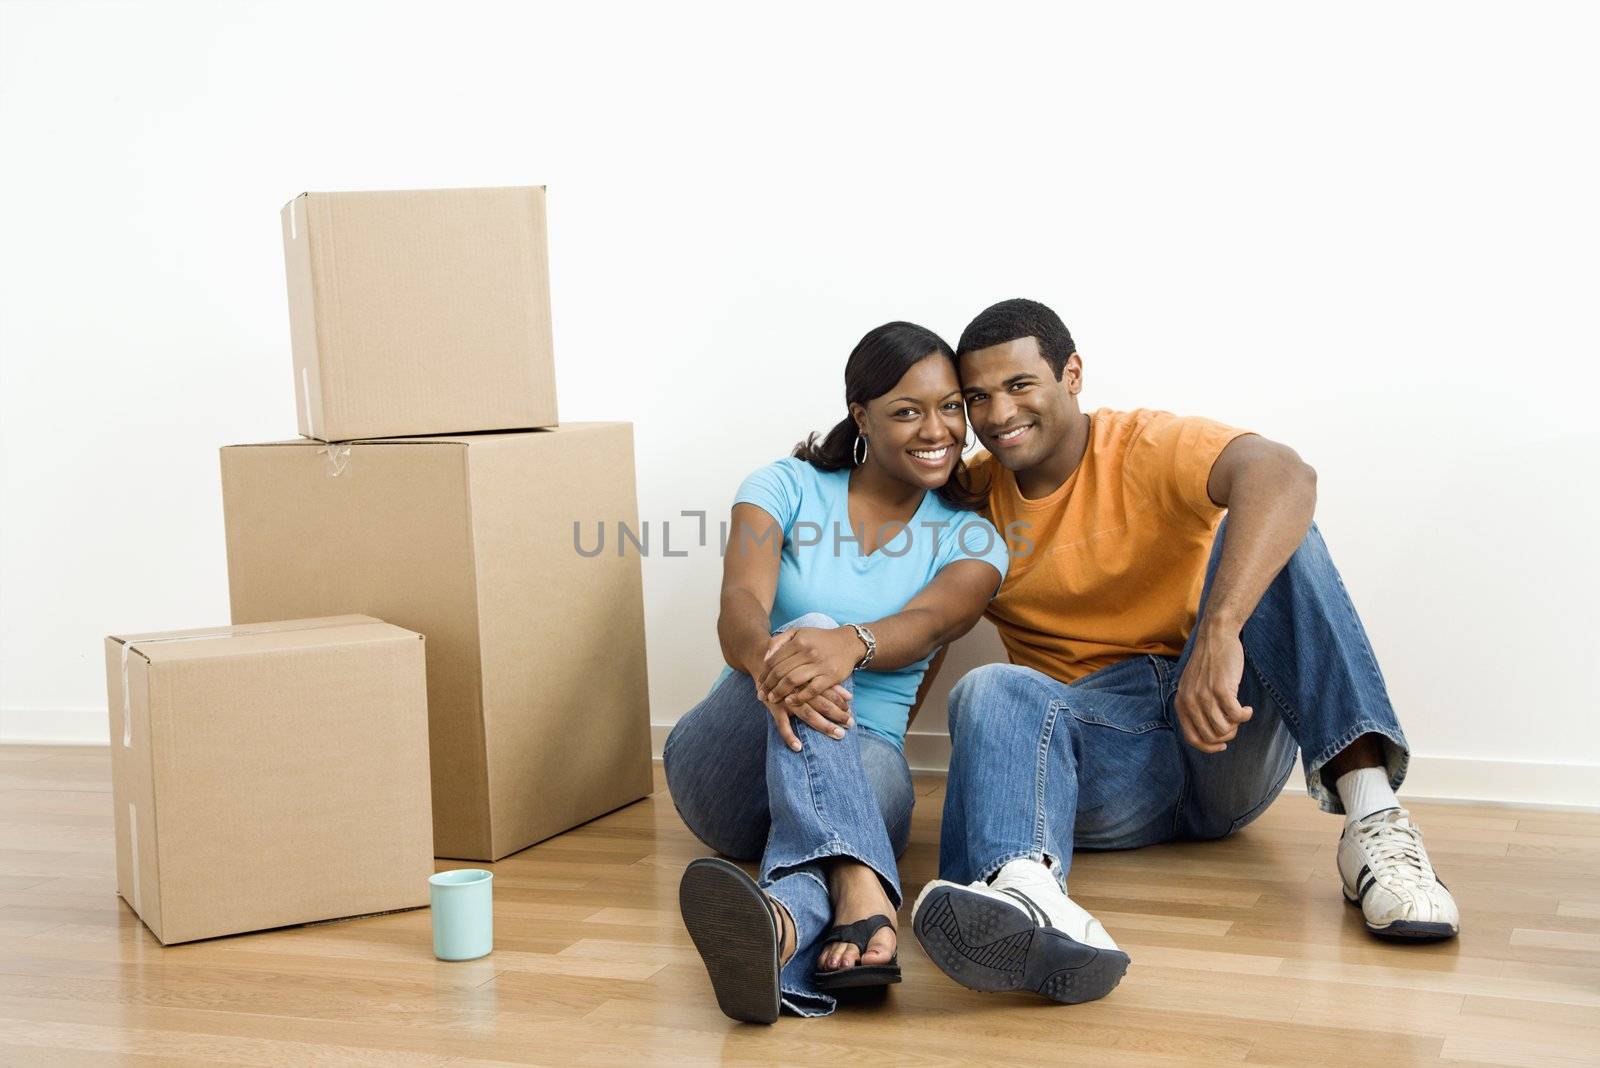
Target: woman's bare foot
<point>857,893</point>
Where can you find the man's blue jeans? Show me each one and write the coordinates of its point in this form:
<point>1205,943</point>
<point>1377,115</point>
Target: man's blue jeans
<point>746,794</point>
<point>1039,767</point>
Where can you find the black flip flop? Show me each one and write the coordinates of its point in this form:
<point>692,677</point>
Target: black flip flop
<point>739,935</point>
<point>858,934</point>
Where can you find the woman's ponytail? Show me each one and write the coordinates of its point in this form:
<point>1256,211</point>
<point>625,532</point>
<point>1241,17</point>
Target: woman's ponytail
<point>834,452</point>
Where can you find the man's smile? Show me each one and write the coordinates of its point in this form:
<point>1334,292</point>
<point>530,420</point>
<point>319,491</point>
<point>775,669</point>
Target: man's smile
<point>1008,438</point>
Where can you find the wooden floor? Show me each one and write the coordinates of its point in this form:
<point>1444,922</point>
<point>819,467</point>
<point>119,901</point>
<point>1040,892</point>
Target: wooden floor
<point>1242,952</point>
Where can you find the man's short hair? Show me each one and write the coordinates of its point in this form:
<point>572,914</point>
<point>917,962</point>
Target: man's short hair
<point>1019,318</point>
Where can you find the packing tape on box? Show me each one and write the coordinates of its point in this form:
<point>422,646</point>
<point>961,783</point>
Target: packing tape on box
<point>338,455</point>
<point>127,698</point>
<point>305,397</point>
<point>191,636</point>
<point>338,458</point>
<point>133,848</point>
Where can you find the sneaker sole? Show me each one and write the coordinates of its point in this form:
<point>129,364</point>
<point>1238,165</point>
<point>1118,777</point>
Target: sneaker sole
<point>987,945</point>
<point>731,926</point>
<point>1406,930</point>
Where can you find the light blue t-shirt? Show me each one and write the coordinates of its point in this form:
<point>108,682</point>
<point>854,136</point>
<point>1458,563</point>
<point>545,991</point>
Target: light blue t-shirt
<point>822,569</point>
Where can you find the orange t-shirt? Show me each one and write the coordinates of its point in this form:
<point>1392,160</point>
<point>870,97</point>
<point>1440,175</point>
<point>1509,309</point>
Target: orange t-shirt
<point>1111,564</point>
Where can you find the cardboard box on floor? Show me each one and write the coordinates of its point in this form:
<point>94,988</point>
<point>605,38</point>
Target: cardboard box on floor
<point>420,312</point>
<point>538,710</point>
<point>269,775</point>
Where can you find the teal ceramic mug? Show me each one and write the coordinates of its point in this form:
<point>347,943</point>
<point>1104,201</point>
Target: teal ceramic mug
<point>463,913</point>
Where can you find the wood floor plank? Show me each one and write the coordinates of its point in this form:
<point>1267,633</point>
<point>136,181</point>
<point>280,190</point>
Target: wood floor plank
<point>1243,952</point>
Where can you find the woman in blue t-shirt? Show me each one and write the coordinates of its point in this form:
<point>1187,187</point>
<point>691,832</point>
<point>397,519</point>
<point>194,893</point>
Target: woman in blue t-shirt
<point>849,565</point>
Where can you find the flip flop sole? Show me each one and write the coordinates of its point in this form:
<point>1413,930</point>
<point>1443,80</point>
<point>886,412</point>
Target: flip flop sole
<point>990,946</point>
<point>728,919</point>
<point>862,975</point>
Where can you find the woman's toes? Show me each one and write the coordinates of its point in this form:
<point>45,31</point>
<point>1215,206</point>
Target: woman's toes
<point>837,956</point>
<point>880,948</point>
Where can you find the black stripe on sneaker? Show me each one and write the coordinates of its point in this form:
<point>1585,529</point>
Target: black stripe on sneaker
<point>1362,895</point>
<point>1362,878</point>
<point>1034,911</point>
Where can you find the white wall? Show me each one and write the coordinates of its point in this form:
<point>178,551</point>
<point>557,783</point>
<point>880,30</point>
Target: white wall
<point>1369,232</point>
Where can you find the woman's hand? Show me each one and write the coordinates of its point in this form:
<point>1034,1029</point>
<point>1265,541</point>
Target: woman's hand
<point>800,676</point>
<point>828,713</point>
<point>807,661</point>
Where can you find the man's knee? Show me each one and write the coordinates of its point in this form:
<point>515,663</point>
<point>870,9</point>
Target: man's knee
<point>992,691</point>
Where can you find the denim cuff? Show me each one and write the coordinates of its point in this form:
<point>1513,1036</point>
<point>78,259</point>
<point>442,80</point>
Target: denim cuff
<point>988,871</point>
<point>1396,759</point>
<point>804,894</point>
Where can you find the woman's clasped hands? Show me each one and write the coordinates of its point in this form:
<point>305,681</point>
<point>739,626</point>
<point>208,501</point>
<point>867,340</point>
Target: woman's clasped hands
<point>800,677</point>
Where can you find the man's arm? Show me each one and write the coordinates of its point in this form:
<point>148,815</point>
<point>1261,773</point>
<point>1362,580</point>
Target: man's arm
<point>1270,495</point>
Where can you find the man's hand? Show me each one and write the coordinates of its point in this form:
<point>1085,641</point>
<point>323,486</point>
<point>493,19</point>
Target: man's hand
<point>1208,693</point>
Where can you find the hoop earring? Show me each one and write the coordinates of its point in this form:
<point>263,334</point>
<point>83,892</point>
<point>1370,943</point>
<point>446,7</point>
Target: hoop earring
<point>858,451</point>
<point>972,443</point>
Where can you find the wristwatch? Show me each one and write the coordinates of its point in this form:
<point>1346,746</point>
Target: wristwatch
<point>866,639</point>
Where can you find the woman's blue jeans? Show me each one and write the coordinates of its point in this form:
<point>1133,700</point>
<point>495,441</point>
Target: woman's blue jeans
<point>747,795</point>
<point>1039,767</point>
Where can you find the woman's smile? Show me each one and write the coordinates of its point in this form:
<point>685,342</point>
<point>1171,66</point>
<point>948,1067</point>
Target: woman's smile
<point>934,459</point>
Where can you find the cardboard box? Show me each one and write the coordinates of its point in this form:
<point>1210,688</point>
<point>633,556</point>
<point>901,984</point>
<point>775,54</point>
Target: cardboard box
<point>424,312</point>
<point>538,709</point>
<point>269,775</point>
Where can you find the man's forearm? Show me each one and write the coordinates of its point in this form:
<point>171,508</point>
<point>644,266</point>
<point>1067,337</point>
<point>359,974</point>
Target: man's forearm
<point>1270,507</point>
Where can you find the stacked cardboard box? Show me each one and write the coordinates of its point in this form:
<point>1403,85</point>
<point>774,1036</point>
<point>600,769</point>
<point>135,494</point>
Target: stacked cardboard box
<point>434,489</point>
<point>416,318</point>
<point>536,674</point>
<point>422,312</point>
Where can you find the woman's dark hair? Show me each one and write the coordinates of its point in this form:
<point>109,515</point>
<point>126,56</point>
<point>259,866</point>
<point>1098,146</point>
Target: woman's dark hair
<point>1018,318</point>
<point>878,362</point>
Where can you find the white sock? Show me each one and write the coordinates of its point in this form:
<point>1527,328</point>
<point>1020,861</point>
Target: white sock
<point>1365,791</point>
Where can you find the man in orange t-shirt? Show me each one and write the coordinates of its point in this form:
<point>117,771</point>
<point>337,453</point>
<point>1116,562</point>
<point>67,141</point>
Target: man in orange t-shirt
<point>1165,667</point>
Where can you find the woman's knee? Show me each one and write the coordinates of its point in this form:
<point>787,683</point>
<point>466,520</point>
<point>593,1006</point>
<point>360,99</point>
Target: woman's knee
<point>697,807</point>
<point>700,792</point>
<point>819,620</point>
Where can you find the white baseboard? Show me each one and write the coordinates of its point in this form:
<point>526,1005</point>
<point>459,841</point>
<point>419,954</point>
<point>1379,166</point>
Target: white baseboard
<point>1432,778</point>
<point>1517,782</point>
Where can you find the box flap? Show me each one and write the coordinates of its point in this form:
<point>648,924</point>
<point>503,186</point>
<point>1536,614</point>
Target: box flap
<point>207,642</point>
<point>436,439</point>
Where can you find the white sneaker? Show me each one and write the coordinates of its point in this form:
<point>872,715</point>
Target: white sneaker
<point>1386,871</point>
<point>1018,933</point>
